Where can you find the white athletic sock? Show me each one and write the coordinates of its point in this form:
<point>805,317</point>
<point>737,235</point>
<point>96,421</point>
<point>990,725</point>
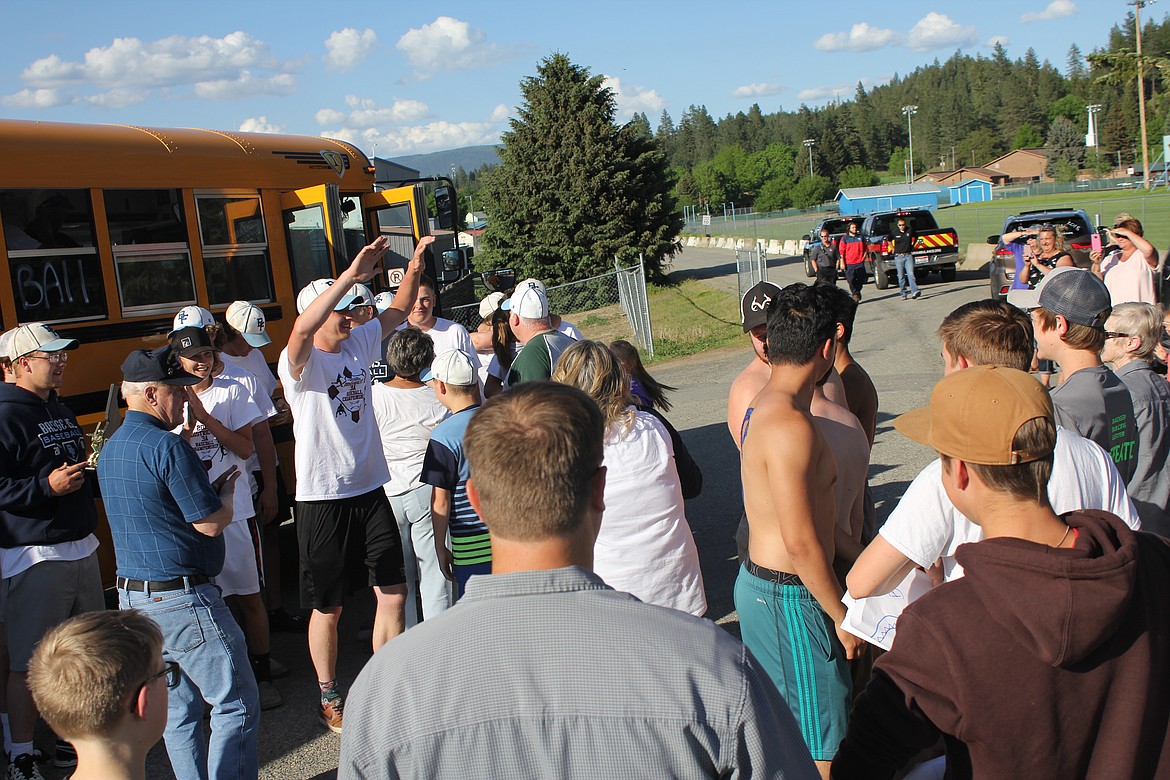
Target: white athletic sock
<point>20,748</point>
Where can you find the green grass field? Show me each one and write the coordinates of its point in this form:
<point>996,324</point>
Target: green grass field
<point>976,221</point>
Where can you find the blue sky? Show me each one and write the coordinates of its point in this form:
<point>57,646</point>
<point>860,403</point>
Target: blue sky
<point>401,78</point>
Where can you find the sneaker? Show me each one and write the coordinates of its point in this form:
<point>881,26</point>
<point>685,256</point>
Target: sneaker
<point>270,698</point>
<point>65,755</point>
<point>917,295</point>
<point>283,620</point>
<point>23,767</point>
<point>278,670</point>
<point>330,714</point>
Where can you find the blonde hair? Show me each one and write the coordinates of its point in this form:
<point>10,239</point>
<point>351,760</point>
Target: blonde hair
<point>592,367</point>
<point>83,669</point>
<point>1057,236</point>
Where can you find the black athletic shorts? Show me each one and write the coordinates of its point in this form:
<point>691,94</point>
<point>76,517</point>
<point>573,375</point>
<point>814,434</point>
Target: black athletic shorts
<point>338,538</point>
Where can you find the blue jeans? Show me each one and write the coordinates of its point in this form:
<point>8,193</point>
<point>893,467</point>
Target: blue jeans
<point>412,511</point>
<point>905,266</point>
<point>200,634</point>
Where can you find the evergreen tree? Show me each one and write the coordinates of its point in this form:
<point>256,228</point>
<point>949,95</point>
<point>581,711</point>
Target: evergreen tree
<point>1065,144</point>
<point>1076,63</point>
<point>1027,137</point>
<point>640,123</point>
<point>569,196</point>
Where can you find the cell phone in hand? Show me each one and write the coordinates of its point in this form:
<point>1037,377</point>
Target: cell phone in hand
<point>1095,240</point>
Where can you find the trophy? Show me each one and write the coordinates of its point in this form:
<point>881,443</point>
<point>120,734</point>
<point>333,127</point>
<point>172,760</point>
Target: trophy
<point>97,439</point>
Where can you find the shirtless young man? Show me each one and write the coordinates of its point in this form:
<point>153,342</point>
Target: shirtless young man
<point>786,594</point>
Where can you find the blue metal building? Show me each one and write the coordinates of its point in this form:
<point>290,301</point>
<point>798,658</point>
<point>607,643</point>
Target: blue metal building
<point>969,191</point>
<point>865,200</point>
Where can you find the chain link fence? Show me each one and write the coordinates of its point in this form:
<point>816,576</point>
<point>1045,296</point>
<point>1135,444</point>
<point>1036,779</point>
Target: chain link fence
<point>751,266</point>
<point>583,302</point>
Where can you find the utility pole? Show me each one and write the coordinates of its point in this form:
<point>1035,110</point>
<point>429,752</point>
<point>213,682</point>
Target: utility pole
<point>1138,5</point>
<point>910,111</point>
<point>808,143</point>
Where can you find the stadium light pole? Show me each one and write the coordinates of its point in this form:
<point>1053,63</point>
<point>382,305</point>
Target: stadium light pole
<point>808,143</point>
<point>910,111</point>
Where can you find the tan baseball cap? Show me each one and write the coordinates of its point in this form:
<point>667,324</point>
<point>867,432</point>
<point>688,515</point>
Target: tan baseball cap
<point>974,415</point>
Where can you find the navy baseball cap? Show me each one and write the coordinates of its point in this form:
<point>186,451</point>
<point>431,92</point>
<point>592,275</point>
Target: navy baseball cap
<point>156,365</point>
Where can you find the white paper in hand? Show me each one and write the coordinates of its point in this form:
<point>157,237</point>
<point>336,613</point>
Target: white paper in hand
<point>875,619</point>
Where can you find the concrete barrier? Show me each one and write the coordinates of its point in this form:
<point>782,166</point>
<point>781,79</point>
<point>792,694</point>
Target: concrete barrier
<point>790,247</point>
<point>978,255</point>
<point>775,247</point>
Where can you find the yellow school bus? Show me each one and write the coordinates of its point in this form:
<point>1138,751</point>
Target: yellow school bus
<point>106,231</point>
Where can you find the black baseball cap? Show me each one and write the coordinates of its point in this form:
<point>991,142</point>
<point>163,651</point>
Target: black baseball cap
<point>753,307</point>
<point>156,365</point>
<point>190,341</point>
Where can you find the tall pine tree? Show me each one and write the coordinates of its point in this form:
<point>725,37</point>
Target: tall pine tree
<point>573,189</point>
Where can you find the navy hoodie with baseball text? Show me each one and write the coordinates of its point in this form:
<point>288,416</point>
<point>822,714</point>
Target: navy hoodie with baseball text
<point>36,437</point>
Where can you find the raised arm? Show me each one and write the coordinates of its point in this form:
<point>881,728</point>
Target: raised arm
<point>407,291</point>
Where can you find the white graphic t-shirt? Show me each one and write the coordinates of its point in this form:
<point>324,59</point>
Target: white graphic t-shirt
<point>339,450</point>
<point>229,402</point>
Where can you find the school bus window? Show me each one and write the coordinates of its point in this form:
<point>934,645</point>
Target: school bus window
<point>145,217</point>
<point>54,269</point>
<point>154,280</point>
<point>308,247</point>
<point>46,219</point>
<point>352,227</point>
<point>237,275</point>
<point>228,220</point>
<point>395,222</point>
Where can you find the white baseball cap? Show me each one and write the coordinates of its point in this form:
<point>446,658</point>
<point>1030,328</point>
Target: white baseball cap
<point>249,320</point>
<point>382,301</point>
<point>453,367</point>
<point>488,306</point>
<point>191,317</point>
<point>311,290</point>
<point>5,340</point>
<point>528,300</point>
<point>36,337</point>
<point>363,292</point>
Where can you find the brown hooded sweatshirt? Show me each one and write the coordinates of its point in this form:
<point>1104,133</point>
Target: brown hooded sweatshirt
<point>1039,663</point>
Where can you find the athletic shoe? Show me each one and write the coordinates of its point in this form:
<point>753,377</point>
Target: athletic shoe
<point>23,767</point>
<point>270,698</point>
<point>917,295</point>
<point>283,620</point>
<point>65,755</point>
<point>330,714</point>
<point>278,670</point>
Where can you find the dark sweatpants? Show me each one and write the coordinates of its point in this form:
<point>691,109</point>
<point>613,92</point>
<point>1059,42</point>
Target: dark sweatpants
<point>855,276</point>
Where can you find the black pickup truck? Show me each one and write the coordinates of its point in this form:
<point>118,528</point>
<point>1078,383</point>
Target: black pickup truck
<point>935,248</point>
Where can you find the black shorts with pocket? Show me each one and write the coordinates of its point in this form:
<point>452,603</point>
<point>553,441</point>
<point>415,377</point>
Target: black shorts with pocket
<point>341,537</point>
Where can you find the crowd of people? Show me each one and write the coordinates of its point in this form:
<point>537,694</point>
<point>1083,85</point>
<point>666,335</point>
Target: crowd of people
<point>514,499</point>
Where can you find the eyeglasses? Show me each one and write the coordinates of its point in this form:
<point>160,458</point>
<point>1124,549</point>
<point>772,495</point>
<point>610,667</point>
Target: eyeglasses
<point>56,358</point>
<point>1113,335</point>
<point>170,669</point>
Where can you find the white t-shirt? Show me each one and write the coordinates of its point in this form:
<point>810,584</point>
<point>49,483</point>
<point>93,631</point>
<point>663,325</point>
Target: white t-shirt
<point>255,364</point>
<point>570,330</point>
<point>645,546</point>
<point>926,527</point>
<point>259,397</point>
<point>406,416</point>
<point>448,335</point>
<point>339,451</point>
<point>229,402</point>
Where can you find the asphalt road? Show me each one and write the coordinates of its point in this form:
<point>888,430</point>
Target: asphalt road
<point>893,340</point>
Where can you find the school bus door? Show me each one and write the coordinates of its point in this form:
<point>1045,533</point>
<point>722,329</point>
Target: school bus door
<point>400,215</point>
<point>313,232</point>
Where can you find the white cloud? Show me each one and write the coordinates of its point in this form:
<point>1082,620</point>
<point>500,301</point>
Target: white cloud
<point>757,90</point>
<point>631,99</point>
<point>813,94</point>
<point>861,37</point>
<point>1002,40</point>
<point>130,70</point>
<point>938,31</point>
<point>1057,9</point>
<point>37,98</point>
<point>419,138</point>
<point>348,48</point>
<point>330,116</point>
<point>117,98</point>
<point>447,44</point>
<point>259,124</point>
<point>246,85</point>
<point>500,113</point>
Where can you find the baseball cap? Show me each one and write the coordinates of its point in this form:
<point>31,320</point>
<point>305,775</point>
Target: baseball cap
<point>1073,293</point>
<point>753,307</point>
<point>488,306</point>
<point>188,342</point>
<point>248,319</point>
<point>453,367</point>
<point>528,300</point>
<point>5,340</point>
<point>34,337</point>
<point>311,290</point>
<point>156,365</point>
<point>191,316</point>
<point>974,415</point>
<point>364,293</point>
<point>382,301</point>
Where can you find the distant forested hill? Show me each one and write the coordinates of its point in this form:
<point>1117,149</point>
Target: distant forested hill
<point>469,158</point>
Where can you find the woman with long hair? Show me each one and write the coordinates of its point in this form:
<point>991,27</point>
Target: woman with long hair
<point>645,546</point>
